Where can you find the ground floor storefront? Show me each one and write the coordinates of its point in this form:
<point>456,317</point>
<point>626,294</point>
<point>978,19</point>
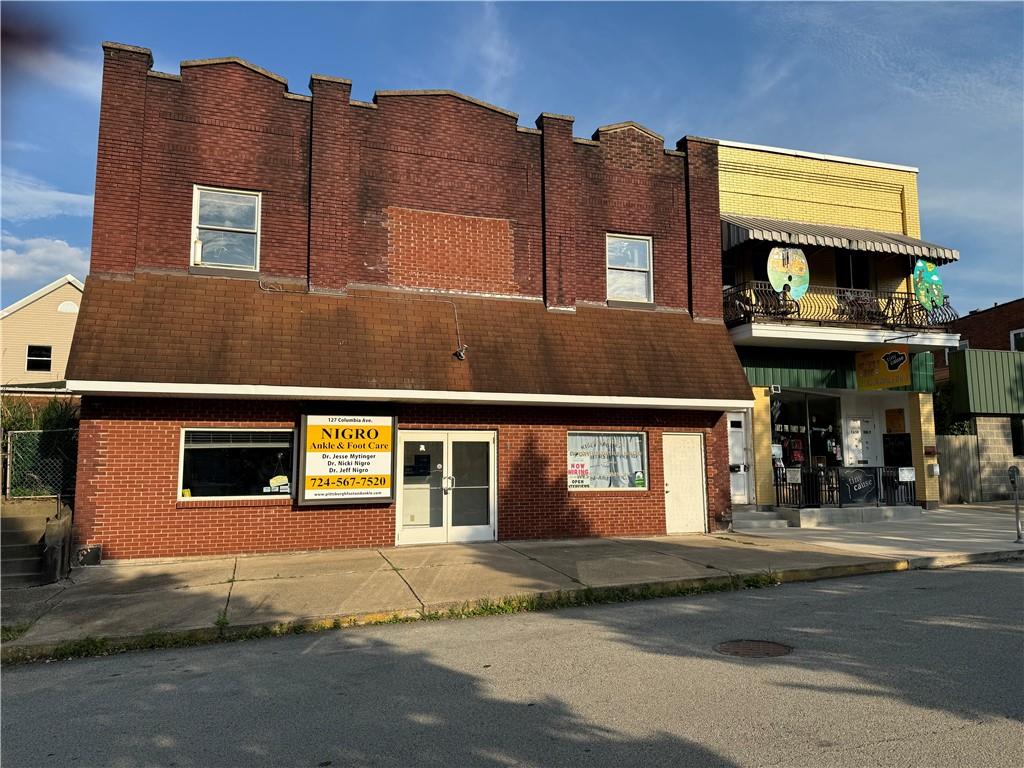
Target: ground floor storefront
<point>161,477</point>
<point>833,444</point>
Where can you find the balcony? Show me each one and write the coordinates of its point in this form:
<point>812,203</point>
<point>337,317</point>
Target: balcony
<point>824,305</point>
<point>838,318</point>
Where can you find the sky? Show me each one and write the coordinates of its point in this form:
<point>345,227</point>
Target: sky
<point>933,85</point>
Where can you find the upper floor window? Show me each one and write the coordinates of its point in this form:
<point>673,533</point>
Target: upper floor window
<point>226,228</point>
<point>1017,340</point>
<point>853,270</point>
<point>39,358</point>
<point>629,273</point>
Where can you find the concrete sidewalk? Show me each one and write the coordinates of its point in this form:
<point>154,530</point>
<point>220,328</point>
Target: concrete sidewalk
<point>948,535</point>
<point>131,599</point>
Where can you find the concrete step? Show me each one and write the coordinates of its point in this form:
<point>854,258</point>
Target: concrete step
<point>754,514</point>
<point>748,524</point>
<point>14,551</point>
<point>839,516</point>
<point>21,566</point>
<point>22,529</point>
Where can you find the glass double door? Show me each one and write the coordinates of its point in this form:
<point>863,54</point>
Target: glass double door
<point>447,486</point>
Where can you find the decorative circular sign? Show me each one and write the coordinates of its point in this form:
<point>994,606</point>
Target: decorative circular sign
<point>788,267</point>
<point>927,285</point>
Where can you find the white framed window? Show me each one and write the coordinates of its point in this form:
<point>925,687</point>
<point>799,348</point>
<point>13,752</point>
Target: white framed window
<point>628,271</point>
<point>226,228</point>
<point>607,461</point>
<point>39,357</point>
<point>1017,340</point>
<point>228,463</point>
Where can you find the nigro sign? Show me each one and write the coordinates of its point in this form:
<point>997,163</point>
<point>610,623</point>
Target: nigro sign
<point>347,459</point>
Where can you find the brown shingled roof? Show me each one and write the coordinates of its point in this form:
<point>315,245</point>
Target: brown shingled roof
<point>186,329</point>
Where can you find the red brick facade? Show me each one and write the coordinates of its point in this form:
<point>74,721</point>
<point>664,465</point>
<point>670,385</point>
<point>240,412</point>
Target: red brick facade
<point>129,453</point>
<point>335,173</point>
<point>418,190</point>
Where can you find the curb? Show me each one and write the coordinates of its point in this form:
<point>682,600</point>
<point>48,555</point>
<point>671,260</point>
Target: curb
<point>14,653</point>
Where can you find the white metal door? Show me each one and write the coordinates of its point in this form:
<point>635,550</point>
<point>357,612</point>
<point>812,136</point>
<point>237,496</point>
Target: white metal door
<point>447,487</point>
<point>739,466</point>
<point>686,507</point>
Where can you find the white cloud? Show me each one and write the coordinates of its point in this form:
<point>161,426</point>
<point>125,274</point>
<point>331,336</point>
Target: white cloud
<point>11,145</point>
<point>26,197</point>
<point>81,75</point>
<point>498,59</point>
<point>40,259</point>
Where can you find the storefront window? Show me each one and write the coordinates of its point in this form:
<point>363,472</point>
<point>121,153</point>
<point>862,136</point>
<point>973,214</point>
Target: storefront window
<point>607,461</point>
<point>806,431</point>
<point>219,463</point>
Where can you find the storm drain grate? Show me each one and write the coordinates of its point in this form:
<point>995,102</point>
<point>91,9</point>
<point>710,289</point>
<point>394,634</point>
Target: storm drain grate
<point>753,649</point>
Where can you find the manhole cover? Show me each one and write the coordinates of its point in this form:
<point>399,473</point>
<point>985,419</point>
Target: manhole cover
<point>753,649</point>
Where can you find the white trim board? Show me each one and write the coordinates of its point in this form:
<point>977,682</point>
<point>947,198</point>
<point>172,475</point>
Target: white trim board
<point>266,392</point>
<point>816,156</point>
<point>60,282</point>
<point>780,335</point>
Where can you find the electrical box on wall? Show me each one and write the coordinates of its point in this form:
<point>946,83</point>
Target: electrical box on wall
<point>932,470</point>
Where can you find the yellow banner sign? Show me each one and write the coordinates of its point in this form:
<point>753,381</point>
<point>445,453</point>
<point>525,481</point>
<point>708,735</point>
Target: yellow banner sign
<point>347,459</point>
<point>883,368</point>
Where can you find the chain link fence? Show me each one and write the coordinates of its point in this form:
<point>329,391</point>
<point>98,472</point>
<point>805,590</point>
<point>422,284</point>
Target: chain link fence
<point>41,463</point>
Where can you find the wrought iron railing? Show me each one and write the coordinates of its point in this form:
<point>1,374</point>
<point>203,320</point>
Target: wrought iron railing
<point>757,301</point>
<point>801,487</point>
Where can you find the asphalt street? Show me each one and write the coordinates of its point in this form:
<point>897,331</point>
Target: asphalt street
<point>924,668</point>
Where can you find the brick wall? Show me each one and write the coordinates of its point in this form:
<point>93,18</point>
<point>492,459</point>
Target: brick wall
<point>990,328</point>
<point>127,498</point>
<point>335,173</point>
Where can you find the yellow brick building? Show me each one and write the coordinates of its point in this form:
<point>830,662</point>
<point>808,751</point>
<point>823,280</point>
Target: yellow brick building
<point>816,432</point>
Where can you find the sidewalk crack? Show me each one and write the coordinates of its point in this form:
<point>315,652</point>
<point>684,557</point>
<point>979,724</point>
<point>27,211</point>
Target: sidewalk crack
<point>222,620</point>
<point>541,562</point>
<point>396,569</point>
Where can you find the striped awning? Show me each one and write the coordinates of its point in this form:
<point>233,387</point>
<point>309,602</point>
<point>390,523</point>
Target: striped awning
<point>737,229</point>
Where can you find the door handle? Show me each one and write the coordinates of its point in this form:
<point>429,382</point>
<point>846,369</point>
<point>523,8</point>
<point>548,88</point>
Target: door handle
<point>448,483</point>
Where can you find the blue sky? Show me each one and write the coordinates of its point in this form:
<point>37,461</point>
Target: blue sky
<point>938,86</point>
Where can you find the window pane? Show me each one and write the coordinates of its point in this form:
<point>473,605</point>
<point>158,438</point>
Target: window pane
<point>229,249</point>
<point>628,286</point>
<point>607,460</point>
<point>422,496</point>
<point>35,364</point>
<point>471,464</point>
<point>628,253</point>
<point>237,471</point>
<point>35,350</point>
<point>471,506</point>
<point>1017,341</point>
<point>226,209</point>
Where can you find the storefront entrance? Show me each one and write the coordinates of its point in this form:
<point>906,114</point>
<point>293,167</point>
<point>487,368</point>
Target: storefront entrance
<point>447,487</point>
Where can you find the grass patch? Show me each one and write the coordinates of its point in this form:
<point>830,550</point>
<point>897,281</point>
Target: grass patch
<point>7,634</point>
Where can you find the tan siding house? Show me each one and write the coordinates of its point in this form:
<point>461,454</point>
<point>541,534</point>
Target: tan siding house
<point>36,333</point>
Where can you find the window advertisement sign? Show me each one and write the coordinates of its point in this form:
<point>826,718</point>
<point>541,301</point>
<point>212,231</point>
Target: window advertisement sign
<point>347,459</point>
<point>883,367</point>
<point>607,461</point>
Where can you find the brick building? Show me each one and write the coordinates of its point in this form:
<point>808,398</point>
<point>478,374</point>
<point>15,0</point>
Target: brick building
<point>984,383</point>
<point>314,322</point>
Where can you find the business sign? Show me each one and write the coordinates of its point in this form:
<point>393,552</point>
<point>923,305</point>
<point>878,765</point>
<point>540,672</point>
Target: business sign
<point>788,267</point>
<point>907,474</point>
<point>927,285</point>
<point>857,486</point>
<point>883,368</point>
<point>347,459</point>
